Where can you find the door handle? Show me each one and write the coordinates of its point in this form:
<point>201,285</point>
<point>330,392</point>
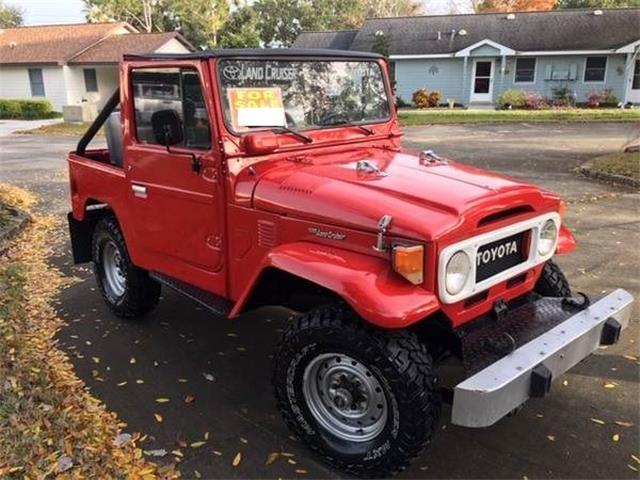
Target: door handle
<point>139,191</point>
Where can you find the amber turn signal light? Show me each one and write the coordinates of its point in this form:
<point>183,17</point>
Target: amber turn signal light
<point>408,261</point>
<point>562,209</point>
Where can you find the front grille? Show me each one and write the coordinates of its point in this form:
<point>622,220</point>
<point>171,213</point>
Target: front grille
<point>500,255</point>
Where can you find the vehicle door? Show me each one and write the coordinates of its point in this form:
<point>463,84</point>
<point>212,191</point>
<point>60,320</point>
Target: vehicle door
<point>176,193</point>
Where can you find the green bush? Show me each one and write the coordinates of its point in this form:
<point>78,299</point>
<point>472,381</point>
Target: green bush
<point>26,109</point>
<point>512,99</point>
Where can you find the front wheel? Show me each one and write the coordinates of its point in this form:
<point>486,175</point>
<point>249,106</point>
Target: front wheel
<point>366,400</point>
<point>552,282</point>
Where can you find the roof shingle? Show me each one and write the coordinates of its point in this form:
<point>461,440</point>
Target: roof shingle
<point>527,31</point>
<point>52,43</point>
<point>111,49</point>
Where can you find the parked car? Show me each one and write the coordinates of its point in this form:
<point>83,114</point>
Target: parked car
<point>245,178</point>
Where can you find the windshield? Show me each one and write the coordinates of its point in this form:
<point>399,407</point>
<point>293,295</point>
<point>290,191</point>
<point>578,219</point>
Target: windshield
<point>301,94</point>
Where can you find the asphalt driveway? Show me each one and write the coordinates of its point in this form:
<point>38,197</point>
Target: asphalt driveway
<point>222,368</point>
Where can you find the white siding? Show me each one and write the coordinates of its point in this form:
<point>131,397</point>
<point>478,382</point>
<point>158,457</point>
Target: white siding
<point>173,46</point>
<point>108,79</point>
<point>14,83</point>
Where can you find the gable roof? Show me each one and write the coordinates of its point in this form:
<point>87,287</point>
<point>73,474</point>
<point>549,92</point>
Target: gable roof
<point>340,39</point>
<point>111,49</point>
<point>53,43</point>
<point>527,31</point>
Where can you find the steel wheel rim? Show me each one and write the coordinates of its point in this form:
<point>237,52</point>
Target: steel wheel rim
<point>345,397</point>
<point>113,272</point>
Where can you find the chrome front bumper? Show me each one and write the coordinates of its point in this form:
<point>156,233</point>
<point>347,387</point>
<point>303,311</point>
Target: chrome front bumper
<point>493,392</point>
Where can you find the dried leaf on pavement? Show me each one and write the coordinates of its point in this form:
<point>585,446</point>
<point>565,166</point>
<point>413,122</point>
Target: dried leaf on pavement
<point>237,459</point>
<point>272,457</point>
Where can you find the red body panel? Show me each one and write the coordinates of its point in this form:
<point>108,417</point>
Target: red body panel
<point>303,208</point>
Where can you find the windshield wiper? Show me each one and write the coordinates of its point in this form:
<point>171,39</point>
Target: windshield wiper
<point>366,130</point>
<point>295,133</point>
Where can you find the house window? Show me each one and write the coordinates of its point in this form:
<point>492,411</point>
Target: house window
<point>525,70</point>
<point>90,80</point>
<point>595,69</point>
<point>171,89</point>
<point>36,80</point>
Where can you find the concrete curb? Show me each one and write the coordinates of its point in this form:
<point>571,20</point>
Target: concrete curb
<point>621,180</point>
<point>16,224</point>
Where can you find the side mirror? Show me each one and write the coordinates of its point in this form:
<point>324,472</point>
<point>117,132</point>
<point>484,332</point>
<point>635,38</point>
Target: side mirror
<point>167,127</point>
<point>260,143</point>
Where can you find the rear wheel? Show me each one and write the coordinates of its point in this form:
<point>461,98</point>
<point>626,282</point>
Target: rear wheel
<point>127,289</point>
<point>366,400</point>
<point>552,282</point>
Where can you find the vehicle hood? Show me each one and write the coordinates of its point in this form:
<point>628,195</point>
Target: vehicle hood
<point>426,199</point>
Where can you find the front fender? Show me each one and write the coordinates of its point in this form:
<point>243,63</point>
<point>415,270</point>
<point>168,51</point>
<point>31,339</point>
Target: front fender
<point>566,241</point>
<point>367,283</point>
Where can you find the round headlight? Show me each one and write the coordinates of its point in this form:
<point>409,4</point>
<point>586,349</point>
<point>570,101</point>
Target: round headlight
<point>457,272</point>
<point>547,238</point>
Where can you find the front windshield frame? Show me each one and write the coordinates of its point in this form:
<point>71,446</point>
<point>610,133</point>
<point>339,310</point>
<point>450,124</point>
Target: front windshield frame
<point>377,61</point>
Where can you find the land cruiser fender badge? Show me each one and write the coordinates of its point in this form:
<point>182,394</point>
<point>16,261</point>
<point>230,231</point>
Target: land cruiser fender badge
<point>383,226</point>
<point>328,234</point>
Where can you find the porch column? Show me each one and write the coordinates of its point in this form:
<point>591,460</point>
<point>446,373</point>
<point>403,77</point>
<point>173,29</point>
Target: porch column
<point>465,82</point>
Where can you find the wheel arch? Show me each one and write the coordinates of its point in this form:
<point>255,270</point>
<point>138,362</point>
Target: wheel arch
<point>365,282</point>
<point>81,227</point>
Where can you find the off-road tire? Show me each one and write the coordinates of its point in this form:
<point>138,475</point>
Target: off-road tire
<point>141,293</point>
<point>395,357</point>
<point>552,282</point>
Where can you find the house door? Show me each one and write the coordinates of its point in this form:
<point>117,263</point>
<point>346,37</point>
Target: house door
<point>634,84</point>
<point>482,81</point>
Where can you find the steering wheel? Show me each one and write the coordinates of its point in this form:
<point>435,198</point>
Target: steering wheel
<point>334,118</point>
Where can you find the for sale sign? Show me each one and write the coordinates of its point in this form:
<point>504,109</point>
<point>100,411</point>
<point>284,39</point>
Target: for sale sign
<point>256,107</point>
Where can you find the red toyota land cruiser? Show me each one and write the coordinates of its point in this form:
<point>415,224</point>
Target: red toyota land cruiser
<point>245,178</point>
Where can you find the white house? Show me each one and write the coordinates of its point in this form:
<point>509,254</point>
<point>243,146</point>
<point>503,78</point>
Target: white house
<point>72,64</point>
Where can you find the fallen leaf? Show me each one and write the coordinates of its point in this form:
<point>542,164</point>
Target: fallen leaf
<point>177,453</point>
<point>217,452</point>
<point>551,438</point>
<point>237,459</point>
<point>121,384</point>
<point>635,458</point>
<point>565,382</point>
<point>162,400</point>
<point>272,457</point>
<point>197,474</point>
<point>631,467</point>
<point>609,385</point>
<point>208,377</point>
<point>95,359</point>
<point>301,471</point>
<point>624,424</point>
<point>206,435</point>
<point>158,417</point>
<point>197,444</point>
<point>139,381</point>
<point>64,463</point>
<point>244,440</point>
<point>160,452</point>
<point>291,461</point>
<point>121,439</point>
<point>189,398</point>
<point>631,357</point>
<point>598,421</point>
<point>183,380</point>
<point>616,437</point>
<point>132,360</point>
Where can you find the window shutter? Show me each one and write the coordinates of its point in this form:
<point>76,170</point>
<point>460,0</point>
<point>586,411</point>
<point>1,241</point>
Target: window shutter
<point>548,72</point>
<point>573,71</point>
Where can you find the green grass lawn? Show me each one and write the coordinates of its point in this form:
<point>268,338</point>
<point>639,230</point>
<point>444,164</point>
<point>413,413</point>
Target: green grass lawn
<point>433,116</point>
<point>627,164</point>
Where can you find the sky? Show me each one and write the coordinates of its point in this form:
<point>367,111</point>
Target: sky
<point>38,12</point>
